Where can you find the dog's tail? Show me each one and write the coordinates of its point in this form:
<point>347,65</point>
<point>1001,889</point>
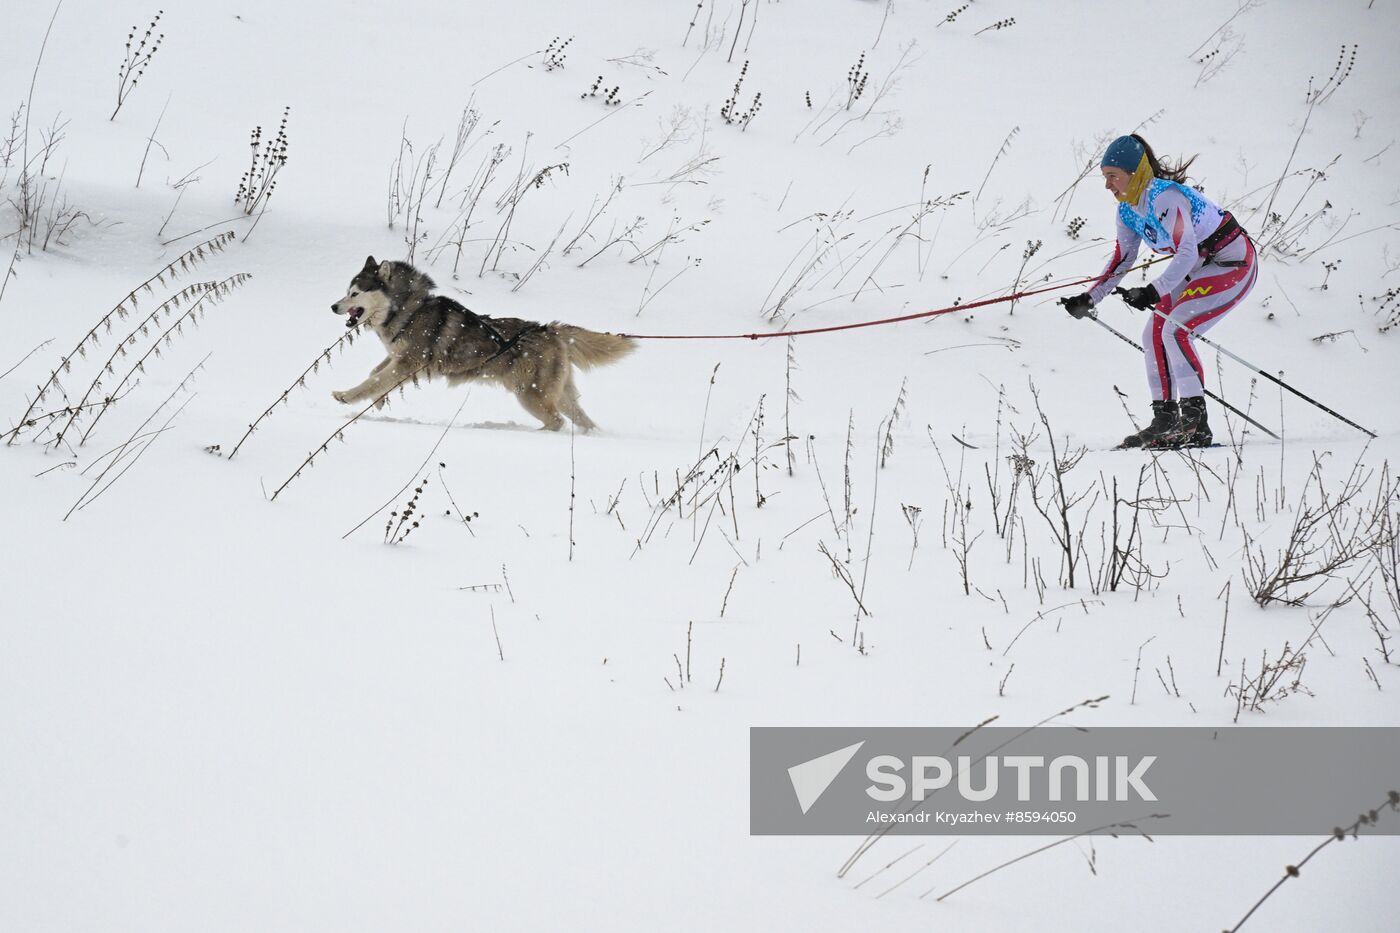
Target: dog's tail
<point>588,348</point>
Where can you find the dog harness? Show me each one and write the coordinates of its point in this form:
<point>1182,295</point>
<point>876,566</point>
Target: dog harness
<point>501,342</point>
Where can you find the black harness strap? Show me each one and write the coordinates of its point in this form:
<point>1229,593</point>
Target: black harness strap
<point>506,345</point>
<point>1225,234</point>
<point>495,334</point>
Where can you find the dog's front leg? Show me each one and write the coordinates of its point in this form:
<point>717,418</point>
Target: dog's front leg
<point>380,382</point>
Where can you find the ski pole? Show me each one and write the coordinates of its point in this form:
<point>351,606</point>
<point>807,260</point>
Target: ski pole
<point>1135,345</point>
<point>1245,363</point>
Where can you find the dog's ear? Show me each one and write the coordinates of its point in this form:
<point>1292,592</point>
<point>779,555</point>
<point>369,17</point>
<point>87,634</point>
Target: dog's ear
<point>386,270</point>
<point>370,264</point>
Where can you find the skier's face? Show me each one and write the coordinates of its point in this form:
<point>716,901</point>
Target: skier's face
<point>1116,180</point>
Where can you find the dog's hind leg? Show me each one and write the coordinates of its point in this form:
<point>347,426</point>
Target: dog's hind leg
<point>568,403</point>
<point>537,404</point>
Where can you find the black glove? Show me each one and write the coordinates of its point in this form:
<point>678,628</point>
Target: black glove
<point>1080,306</point>
<point>1140,298</point>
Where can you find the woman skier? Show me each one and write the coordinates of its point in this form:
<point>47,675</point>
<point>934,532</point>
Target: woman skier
<point>1213,268</point>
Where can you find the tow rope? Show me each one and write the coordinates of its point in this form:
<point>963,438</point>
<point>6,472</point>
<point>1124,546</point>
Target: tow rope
<point>887,320</point>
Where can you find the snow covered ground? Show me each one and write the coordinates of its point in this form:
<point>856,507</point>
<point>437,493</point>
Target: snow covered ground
<point>219,712</point>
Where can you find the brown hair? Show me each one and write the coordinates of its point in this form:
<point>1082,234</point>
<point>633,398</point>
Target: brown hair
<point>1160,169</point>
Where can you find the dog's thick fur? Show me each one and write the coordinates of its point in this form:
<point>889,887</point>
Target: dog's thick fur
<point>429,335</point>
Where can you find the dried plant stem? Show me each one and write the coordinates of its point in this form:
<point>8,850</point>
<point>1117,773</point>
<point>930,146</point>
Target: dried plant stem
<point>426,460</point>
<point>1006,144</point>
<point>152,435</point>
<point>1269,207</point>
<point>874,502</point>
<point>1220,659</point>
<point>729,589</point>
<point>869,841</point>
<point>182,263</point>
<point>150,141</point>
<point>573,474</point>
<point>1137,669</point>
<point>25,357</point>
<point>51,416</point>
<point>841,573</point>
<point>88,497</point>
<point>500,652</point>
<point>1107,827</point>
<point>9,273</point>
<point>1292,871</point>
<point>217,291</point>
<point>325,445</point>
<point>33,80</point>
<point>613,189</point>
<point>346,338</point>
<point>636,101</point>
<point>131,339</point>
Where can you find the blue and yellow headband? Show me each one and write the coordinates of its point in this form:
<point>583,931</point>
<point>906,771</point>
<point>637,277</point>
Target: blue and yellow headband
<point>1128,154</point>
<point>1125,152</point>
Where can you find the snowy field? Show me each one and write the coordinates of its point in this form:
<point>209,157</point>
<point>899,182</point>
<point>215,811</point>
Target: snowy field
<point>221,712</point>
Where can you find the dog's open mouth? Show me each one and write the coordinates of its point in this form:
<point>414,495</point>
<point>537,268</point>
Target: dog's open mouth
<point>352,317</point>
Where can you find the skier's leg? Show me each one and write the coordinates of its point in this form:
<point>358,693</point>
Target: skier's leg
<point>1154,352</point>
<point>1200,303</point>
<point>1200,315</point>
<point>1159,381</point>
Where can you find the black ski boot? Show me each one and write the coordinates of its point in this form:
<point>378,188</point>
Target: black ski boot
<point>1164,421</point>
<point>1192,429</point>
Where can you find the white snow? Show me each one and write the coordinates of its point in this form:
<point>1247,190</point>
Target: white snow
<point>223,713</point>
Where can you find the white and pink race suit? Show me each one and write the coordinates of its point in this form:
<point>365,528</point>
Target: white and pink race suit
<point>1213,268</point>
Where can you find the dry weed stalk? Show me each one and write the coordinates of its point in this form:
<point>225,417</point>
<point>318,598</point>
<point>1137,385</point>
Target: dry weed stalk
<point>91,494</point>
<point>909,230</point>
<point>870,841</point>
<point>422,467</point>
<point>1123,554</point>
<point>840,571</point>
<point>395,532</point>
<point>1330,532</point>
<point>344,340</point>
<point>706,483</point>
<point>1276,680</point>
<point>1057,509</point>
<point>1112,829</point>
<point>186,296</point>
<point>961,503</point>
<point>1339,834</point>
<point>339,435</point>
<point>136,59</point>
<point>129,303</point>
<point>216,292</point>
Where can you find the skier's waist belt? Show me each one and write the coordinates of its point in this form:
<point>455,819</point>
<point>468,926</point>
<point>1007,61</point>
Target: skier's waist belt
<point>1225,234</point>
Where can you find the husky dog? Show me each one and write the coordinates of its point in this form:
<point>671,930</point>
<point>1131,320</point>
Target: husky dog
<point>431,335</point>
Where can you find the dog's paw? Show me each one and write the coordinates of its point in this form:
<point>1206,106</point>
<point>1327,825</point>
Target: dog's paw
<point>342,397</point>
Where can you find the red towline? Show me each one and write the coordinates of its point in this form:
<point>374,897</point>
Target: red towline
<point>888,320</point>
